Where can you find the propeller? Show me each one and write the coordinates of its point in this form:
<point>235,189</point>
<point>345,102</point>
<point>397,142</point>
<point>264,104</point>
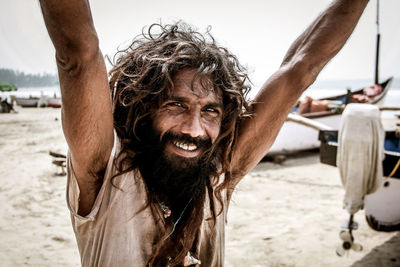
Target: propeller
<point>346,235</point>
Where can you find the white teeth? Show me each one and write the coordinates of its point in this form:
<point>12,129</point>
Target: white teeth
<point>185,146</point>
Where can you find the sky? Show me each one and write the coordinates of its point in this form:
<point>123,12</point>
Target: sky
<point>259,32</point>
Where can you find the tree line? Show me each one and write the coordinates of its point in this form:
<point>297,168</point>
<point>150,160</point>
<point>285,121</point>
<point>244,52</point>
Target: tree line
<point>21,79</point>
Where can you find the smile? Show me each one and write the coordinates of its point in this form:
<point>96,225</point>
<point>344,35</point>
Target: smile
<point>184,146</point>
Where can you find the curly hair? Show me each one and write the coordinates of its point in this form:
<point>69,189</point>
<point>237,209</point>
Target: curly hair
<point>142,79</point>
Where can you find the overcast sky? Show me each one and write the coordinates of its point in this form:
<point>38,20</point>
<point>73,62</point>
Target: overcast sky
<point>258,31</point>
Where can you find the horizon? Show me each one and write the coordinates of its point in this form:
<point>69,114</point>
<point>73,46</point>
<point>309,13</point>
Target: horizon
<point>328,84</point>
<point>318,82</point>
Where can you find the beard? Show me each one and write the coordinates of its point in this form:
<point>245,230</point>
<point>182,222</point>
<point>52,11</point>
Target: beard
<point>174,179</point>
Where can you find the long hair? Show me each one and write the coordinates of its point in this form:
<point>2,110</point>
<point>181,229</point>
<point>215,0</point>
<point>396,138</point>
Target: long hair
<point>142,78</point>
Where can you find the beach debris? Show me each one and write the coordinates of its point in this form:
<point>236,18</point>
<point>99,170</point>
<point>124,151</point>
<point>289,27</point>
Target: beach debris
<point>275,158</point>
<point>279,159</point>
<point>346,235</point>
<point>60,160</point>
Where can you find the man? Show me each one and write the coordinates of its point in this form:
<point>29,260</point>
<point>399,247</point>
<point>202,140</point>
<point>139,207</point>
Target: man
<point>156,192</point>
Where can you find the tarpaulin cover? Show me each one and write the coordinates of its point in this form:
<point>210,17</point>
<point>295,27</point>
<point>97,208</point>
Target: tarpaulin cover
<point>360,153</point>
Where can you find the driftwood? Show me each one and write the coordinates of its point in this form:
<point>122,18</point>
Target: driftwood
<point>57,155</point>
<point>60,160</point>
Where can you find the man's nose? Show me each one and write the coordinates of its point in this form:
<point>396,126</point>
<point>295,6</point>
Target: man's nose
<point>193,125</point>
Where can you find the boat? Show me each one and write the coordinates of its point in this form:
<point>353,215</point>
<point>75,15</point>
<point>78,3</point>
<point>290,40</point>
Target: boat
<point>382,211</point>
<point>54,102</point>
<point>295,137</point>
<point>27,101</point>
<point>329,145</point>
<point>43,101</point>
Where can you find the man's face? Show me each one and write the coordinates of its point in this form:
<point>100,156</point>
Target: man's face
<point>189,121</point>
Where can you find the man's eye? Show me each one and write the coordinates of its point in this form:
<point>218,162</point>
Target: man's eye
<point>175,104</point>
<point>212,111</point>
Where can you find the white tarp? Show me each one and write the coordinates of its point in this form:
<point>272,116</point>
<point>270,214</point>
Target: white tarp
<point>360,153</point>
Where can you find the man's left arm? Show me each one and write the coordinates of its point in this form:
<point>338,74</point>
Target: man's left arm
<point>306,57</point>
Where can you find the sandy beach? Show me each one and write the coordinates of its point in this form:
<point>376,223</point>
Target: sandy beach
<point>281,215</point>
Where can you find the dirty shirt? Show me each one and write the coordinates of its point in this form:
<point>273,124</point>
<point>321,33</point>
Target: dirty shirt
<point>114,233</point>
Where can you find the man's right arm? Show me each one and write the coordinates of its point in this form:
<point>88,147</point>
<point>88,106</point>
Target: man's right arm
<point>86,105</point>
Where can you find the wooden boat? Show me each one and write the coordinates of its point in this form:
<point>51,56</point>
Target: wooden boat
<point>294,136</point>
<point>43,101</point>
<point>46,101</point>
<point>54,102</point>
<point>27,101</point>
<point>382,210</point>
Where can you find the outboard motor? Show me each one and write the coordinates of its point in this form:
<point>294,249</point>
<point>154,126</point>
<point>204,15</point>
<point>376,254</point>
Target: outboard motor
<point>359,158</point>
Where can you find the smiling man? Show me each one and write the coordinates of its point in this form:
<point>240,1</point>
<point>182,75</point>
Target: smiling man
<point>151,169</point>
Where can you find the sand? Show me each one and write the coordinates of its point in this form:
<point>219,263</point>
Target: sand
<point>281,215</point>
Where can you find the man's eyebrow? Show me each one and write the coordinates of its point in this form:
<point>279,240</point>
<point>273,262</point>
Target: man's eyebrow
<point>213,104</point>
<point>178,98</point>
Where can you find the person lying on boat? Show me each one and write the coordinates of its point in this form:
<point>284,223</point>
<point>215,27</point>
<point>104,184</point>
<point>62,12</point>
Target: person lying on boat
<point>309,105</point>
<point>151,171</point>
<point>368,95</point>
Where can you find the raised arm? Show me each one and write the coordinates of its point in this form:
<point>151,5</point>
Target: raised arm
<point>86,105</point>
<point>305,59</point>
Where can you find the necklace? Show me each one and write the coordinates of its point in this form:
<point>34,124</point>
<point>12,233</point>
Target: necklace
<point>165,209</point>
<point>167,213</point>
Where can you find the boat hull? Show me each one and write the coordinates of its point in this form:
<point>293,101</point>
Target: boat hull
<point>43,101</point>
<point>382,209</point>
<point>27,102</point>
<point>294,137</point>
<point>54,102</point>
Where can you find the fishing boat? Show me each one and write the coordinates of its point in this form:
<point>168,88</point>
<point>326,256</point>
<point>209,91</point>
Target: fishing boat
<point>43,101</point>
<point>27,101</point>
<point>54,102</point>
<point>295,137</point>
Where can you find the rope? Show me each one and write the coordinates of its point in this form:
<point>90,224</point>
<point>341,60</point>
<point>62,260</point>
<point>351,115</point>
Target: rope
<point>395,169</point>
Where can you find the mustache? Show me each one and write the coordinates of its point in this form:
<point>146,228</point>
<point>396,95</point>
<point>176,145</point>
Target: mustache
<point>201,142</point>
